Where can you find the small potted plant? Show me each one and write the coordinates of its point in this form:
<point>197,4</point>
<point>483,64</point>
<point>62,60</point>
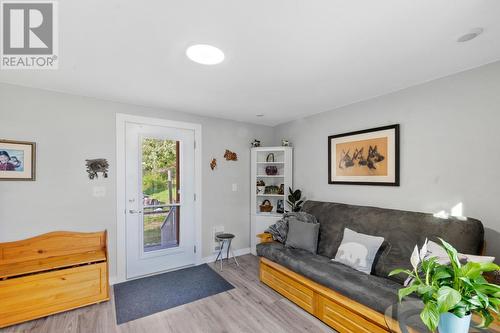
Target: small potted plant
<point>451,292</point>
<point>294,199</point>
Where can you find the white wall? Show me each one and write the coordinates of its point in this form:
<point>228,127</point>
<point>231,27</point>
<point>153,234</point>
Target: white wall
<point>450,148</point>
<point>69,129</point>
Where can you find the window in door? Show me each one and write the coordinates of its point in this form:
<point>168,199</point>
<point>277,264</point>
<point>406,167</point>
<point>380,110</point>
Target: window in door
<point>160,184</point>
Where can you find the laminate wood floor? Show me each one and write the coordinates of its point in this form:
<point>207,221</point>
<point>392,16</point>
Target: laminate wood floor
<point>249,307</point>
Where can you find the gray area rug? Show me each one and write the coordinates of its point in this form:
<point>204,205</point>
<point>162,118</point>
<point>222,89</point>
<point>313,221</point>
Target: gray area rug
<point>142,297</point>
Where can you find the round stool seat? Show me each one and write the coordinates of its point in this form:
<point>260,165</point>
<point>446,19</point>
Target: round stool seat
<point>225,236</point>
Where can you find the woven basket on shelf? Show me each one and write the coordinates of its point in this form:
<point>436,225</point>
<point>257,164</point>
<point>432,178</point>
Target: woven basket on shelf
<point>266,206</point>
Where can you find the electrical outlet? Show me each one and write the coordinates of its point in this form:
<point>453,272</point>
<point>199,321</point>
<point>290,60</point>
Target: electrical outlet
<point>217,230</point>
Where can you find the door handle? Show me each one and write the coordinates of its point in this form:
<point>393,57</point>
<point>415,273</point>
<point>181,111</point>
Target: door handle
<point>131,211</point>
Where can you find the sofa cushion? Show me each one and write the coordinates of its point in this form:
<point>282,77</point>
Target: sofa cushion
<point>358,250</point>
<point>302,235</point>
<point>373,291</point>
<point>401,230</point>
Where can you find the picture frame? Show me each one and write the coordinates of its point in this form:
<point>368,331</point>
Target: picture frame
<point>17,160</point>
<point>366,157</point>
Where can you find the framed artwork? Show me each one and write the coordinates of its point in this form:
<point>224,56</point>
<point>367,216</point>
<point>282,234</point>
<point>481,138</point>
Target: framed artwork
<point>368,157</point>
<point>17,160</point>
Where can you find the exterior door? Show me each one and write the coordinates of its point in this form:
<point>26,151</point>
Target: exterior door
<point>160,212</point>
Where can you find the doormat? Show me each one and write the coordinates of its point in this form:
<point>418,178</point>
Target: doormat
<point>142,297</point>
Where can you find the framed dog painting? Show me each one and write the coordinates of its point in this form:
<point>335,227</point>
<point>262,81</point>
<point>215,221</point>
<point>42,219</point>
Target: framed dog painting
<point>17,160</point>
<point>367,157</point>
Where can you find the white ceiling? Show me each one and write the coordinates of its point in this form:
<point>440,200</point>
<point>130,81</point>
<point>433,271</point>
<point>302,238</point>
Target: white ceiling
<point>285,59</point>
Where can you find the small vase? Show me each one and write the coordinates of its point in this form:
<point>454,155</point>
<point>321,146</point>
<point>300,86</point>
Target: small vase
<point>450,323</point>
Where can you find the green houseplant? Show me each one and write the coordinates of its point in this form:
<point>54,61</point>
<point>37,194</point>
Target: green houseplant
<point>294,199</point>
<point>452,291</point>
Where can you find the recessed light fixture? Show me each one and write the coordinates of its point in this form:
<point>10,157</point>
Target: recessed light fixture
<point>470,35</point>
<point>205,54</point>
<point>259,115</point>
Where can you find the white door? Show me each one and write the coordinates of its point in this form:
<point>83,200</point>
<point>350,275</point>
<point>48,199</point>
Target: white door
<point>160,212</point>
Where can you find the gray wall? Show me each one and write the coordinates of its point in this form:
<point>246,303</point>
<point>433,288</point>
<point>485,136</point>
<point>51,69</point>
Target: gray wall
<point>450,148</point>
<point>69,129</point>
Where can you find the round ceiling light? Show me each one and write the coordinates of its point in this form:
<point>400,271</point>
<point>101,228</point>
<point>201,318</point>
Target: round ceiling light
<point>470,35</point>
<point>205,54</point>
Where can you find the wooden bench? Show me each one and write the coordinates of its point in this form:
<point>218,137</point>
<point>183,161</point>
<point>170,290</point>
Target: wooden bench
<point>52,273</point>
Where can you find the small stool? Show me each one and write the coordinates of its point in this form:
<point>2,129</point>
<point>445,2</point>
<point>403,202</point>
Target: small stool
<point>225,239</point>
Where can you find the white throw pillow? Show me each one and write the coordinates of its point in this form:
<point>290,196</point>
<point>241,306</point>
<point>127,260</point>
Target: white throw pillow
<point>358,250</point>
<point>436,250</point>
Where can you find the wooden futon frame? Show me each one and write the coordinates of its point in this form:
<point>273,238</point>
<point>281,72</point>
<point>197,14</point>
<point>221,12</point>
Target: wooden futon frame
<point>334,309</point>
<point>52,273</point>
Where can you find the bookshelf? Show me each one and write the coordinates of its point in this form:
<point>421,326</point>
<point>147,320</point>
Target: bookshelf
<point>282,163</point>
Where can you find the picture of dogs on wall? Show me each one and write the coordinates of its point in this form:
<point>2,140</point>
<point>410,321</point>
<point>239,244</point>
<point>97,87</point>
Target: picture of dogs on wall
<point>367,157</point>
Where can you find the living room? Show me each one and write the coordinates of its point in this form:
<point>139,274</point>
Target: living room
<point>208,167</point>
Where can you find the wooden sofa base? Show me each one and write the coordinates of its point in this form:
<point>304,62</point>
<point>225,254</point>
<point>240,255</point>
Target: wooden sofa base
<point>332,308</point>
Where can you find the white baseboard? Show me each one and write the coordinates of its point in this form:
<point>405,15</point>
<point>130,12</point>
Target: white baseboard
<point>113,280</point>
<point>237,253</point>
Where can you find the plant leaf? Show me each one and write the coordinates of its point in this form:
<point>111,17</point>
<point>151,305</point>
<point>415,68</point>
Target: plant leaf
<point>486,318</point>
<point>406,291</point>
<point>430,316</point>
<point>447,298</point>
<point>415,259</point>
<point>400,270</point>
<point>452,253</point>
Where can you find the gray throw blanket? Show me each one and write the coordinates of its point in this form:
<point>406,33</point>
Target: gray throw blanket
<point>279,230</point>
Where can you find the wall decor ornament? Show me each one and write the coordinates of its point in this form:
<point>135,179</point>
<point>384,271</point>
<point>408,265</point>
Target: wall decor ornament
<point>17,160</point>
<point>230,156</point>
<point>97,165</point>
<point>213,163</point>
<point>367,157</point>
<point>255,143</point>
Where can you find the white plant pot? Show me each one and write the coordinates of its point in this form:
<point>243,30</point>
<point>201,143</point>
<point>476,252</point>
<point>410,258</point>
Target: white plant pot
<point>450,323</point>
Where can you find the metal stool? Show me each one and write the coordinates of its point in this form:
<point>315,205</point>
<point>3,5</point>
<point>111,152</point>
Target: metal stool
<point>225,239</point>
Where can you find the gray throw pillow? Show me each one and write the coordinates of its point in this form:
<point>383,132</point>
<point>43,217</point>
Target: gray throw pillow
<point>358,250</point>
<point>302,235</point>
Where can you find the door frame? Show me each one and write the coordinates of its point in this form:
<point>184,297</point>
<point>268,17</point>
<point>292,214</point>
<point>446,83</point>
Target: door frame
<point>121,246</point>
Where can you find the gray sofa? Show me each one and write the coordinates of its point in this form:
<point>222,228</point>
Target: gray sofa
<point>402,230</point>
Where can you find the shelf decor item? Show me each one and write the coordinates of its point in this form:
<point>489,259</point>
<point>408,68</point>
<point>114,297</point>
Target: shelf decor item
<point>285,143</point>
<point>270,157</point>
<point>266,206</point>
<point>367,157</point>
<point>271,170</point>
<point>261,187</point>
<point>451,292</point>
<point>17,160</point>
<point>272,189</point>
<point>280,207</point>
<point>255,143</point>
<point>282,189</point>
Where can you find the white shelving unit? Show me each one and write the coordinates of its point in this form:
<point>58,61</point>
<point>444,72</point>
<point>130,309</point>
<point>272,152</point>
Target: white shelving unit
<point>283,160</point>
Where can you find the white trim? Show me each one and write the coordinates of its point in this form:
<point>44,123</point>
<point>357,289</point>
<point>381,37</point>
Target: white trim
<point>121,120</point>
<point>237,253</point>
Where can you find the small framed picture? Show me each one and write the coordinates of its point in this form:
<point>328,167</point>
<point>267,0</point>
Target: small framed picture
<point>17,160</point>
<point>367,157</point>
